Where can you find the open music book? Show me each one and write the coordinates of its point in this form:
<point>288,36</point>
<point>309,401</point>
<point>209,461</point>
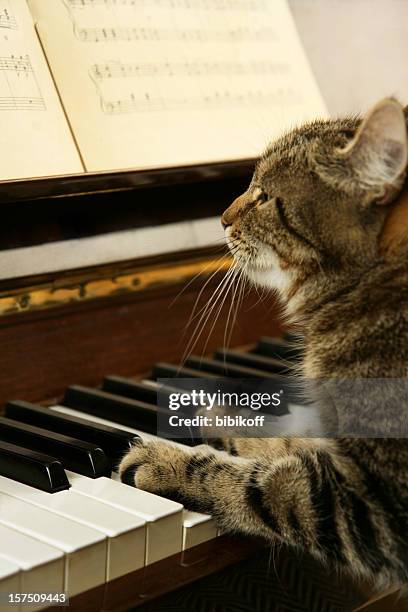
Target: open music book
<point>103,85</point>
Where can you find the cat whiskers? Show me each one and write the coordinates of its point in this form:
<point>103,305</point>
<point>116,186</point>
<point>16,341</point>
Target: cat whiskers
<point>221,306</point>
<point>194,313</point>
<point>196,276</point>
<point>261,296</point>
<point>221,290</point>
<point>235,305</point>
<point>217,300</point>
<point>203,270</point>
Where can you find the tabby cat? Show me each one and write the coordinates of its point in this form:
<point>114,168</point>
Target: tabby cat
<point>325,223</point>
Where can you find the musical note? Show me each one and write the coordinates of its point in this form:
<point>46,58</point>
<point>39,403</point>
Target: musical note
<point>137,77</point>
<point>207,5</point>
<point>18,85</point>
<point>122,34</point>
<point>149,102</point>
<point>7,17</point>
<point>117,69</point>
<point>114,31</point>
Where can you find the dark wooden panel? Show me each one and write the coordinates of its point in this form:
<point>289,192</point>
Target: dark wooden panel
<point>227,574</point>
<point>99,182</point>
<point>43,352</point>
<point>136,588</point>
<point>48,220</point>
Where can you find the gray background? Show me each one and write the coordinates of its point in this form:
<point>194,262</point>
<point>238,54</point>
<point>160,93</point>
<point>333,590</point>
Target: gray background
<point>358,49</point>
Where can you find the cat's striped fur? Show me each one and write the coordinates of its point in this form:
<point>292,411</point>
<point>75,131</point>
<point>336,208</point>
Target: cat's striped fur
<point>323,222</point>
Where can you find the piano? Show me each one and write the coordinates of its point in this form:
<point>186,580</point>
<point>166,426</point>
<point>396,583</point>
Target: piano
<point>80,351</point>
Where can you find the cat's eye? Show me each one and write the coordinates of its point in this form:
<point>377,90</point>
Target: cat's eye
<point>262,197</point>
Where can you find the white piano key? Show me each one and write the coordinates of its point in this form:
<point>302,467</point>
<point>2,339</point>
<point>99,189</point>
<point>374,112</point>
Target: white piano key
<point>10,582</point>
<point>197,527</point>
<point>163,517</point>
<point>41,565</point>
<point>123,530</point>
<point>85,548</point>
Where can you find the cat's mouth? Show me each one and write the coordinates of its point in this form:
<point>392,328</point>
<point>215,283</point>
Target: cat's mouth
<point>250,257</point>
<point>259,263</point>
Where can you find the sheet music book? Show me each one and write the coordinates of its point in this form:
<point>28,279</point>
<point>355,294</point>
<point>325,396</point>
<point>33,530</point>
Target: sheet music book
<point>35,137</point>
<point>119,84</point>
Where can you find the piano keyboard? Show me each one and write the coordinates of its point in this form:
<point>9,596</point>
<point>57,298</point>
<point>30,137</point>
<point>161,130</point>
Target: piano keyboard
<point>66,521</point>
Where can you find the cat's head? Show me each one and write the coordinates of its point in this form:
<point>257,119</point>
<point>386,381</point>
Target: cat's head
<point>319,203</point>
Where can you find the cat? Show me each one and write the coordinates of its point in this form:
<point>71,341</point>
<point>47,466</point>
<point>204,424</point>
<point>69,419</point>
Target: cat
<point>324,222</point>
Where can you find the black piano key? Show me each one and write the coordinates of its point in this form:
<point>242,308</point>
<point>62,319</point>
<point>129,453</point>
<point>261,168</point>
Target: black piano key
<point>114,442</point>
<point>231,370</point>
<point>121,410</point>
<point>169,370</point>
<point>252,360</point>
<point>277,348</point>
<point>31,468</point>
<point>82,457</point>
<point>142,391</point>
<point>275,382</point>
<point>127,387</point>
<point>292,337</point>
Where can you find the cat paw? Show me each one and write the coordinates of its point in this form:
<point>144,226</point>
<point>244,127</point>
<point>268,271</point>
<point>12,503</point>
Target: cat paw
<point>152,466</point>
<point>251,448</point>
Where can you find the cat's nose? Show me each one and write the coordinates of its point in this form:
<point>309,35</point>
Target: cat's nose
<point>225,221</point>
<point>233,211</point>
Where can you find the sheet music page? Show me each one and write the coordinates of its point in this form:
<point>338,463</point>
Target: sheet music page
<point>35,138</point>
<point>149,83</point>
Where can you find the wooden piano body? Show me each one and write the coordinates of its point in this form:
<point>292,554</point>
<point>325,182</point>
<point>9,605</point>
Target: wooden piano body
<point>76,326</point>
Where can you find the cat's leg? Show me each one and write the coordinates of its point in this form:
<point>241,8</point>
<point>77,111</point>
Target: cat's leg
<point>256,448</point>
<point>243,446</point>
<point>252,447</point>
<point>309,498</point>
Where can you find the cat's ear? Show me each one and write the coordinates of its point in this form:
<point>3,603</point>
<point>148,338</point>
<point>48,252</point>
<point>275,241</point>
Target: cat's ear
<point>377,157</point>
